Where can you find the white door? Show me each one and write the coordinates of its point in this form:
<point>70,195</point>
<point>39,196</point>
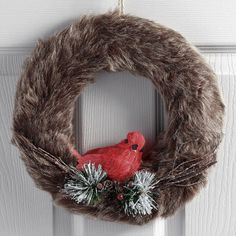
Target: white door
<point>121,103</point>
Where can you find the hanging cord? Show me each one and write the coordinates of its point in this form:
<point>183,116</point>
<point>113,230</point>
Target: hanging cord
<point>121,7</point>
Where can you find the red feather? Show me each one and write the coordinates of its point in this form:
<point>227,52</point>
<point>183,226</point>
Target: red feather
<point>120,161</point>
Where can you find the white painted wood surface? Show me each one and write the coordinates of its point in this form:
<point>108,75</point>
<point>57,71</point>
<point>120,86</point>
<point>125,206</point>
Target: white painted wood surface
<point>24,210</point>
<point>213,211</point>
<point>108,110</point>
<point>202,21</point>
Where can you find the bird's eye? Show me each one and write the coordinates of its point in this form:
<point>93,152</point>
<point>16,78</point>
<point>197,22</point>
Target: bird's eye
<point>126,141</point>
<point>134,146</point>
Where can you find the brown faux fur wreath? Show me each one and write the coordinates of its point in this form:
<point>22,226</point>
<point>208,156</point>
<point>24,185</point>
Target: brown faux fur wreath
<point>61,66</point>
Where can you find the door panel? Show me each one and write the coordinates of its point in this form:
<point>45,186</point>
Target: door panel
<point>116,104</point>
<point>212,212</point>
<point>24,210</point>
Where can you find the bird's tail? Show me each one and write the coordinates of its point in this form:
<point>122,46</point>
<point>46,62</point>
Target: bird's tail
<point>74,152</point>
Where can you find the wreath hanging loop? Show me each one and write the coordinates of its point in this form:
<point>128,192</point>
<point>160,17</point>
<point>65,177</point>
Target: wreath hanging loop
<point>164,178</point>
<point>121,7</point>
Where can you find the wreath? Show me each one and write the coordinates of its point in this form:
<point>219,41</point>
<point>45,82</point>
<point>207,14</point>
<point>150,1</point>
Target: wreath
<point>120,182</point>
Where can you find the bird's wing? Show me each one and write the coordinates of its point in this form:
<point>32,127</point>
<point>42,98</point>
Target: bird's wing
<point>116,152</point>
<point>104,153</point>
<point>90,158</point>
<point>102,150</point>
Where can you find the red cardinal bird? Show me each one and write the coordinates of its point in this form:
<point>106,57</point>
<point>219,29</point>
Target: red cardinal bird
<point>120,161</point>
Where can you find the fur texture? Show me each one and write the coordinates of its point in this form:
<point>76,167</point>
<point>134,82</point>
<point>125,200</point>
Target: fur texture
<point>61,66</point>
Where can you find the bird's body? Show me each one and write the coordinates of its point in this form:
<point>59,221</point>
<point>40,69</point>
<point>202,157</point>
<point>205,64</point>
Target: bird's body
<point>120,161</point>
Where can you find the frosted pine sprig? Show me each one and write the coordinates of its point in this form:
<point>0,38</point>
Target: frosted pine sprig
<point>139,196</point>
<point>84,185</point>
